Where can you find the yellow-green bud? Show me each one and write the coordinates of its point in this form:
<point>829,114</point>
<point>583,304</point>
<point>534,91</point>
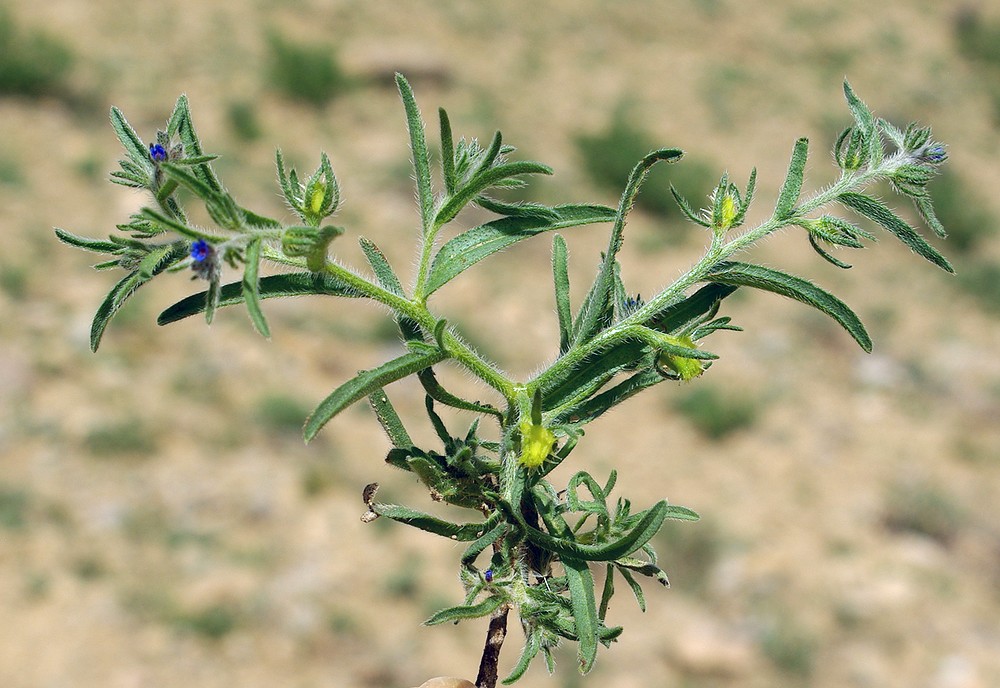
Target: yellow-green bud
<point>316,195</point>
<point>310,243</point>
<point>537,442</point>
<point>685,368</point>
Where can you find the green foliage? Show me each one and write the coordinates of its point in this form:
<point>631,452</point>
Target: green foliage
<point>981,280</point>
<point>717,413</point>
<point>609,155</point>
<point>281,414</point>
<point>13,507</point>
<point>789,648</point>
<point>121,438</point>
<point>962,212</point>
<point>243,122</point>
<point>213,622</point>
<point>924,509</point>
<point>308,73</point>
<point>531,546</point>
<point>32,63</point>
<point>977,37</point>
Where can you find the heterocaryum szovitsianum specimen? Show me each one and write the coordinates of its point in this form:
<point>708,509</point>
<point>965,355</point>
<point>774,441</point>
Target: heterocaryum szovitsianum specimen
<point>533,548</point>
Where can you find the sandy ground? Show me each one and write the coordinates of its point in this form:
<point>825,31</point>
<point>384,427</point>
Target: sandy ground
<point>156,529</point>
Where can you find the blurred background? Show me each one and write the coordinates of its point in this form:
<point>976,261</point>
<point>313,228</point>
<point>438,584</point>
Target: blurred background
<point>162,523</point>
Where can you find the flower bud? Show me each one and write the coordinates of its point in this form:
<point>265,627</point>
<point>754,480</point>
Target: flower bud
<point>310,243</point>
<point>537,442</point>
<point>680,366</point>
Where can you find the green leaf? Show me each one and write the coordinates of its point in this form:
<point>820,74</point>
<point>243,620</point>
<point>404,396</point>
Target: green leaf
<point>169,223</point>
<point>438,393</point>
<point>680,513</point>
<point>367,382</point>
<point>756,276</point>
<point>473,245</point>
<point>127,286</point>
<point>380,265</point>
<point>640,597</point>
<point>686,208</point>
<point>181,122</point>
<point>459,532</point>
<point>482,181</point>
<point>272,286</point>
<point>581,591</point>
<point>790,190</point>
<point>878,212</point>
<point>86,243</point>
<point>251,287</point>
<point>447,152</point>
<point>418,148</point>
<point>560,274</point>
<point>594,310</point>
<point>467,611</point>
<point>866,122</point>
<point>630,541</point>
<point>608,592</point>
<point>389,419</point>
<point>531,648</point>
<point>573,383</point>
<point>112,302</point>
<point>133,145</point>
<point>593,407</point>
<point>679,314</point>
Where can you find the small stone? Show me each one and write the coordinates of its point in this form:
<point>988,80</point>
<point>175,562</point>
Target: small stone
<point>447,682</point>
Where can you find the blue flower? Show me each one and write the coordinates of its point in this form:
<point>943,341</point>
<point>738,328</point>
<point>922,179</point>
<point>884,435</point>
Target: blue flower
<point>157,152</point>
<point>933,154</point>
<point>488,575</point>
<point>201,251</point>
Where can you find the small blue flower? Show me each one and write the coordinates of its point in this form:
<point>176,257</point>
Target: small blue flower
<point>201,251</point>
<point>934,154</point>
<point>488,575</point>
<point>157,152</point>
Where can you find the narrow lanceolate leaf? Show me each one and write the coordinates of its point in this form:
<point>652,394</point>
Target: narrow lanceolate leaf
<point>595,406</point>
<point>790,190</point>
<point>380,265</point>
<point>469,611</point>
<point>472,246</point>
<point>86,243</point>
<point>127,286</point>
<point>181,122</point>
<point>130,140</point>
<point>389,419</point>
<point>367,382</point>
<point>484,180</point>
<point>677,315</point>
<point>756,276</point>
<point>272,286</point>
<point>878,212</point>
<point>418,148</point>
<point>581,595</point>
<point>866,122</point>
<point>447,152</point>
<point>594,309</point>
<point>460,532</point>
<point>438,393</point>
<point>629,542</point>
<point>560,275</point>
<point>531,648</point>
<point>251,287</point>
<point>112,302</point>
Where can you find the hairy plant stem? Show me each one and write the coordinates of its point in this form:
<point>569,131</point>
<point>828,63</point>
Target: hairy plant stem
<point>458,350</point>
<point>717,252</point>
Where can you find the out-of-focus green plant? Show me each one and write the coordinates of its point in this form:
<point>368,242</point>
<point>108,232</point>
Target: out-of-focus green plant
<point>532,547</point>
<point>32,63</point>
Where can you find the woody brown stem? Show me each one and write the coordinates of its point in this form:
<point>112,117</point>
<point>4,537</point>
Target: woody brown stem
<point>495,636</point>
